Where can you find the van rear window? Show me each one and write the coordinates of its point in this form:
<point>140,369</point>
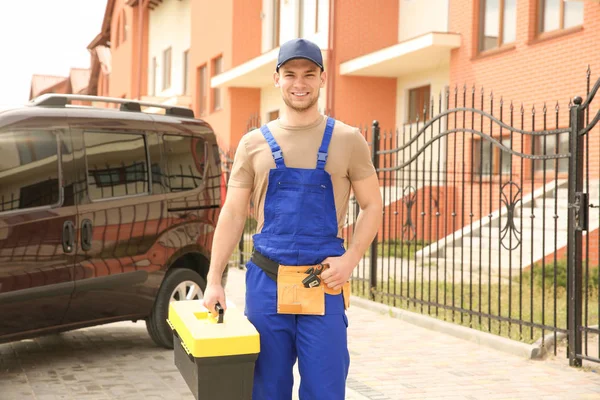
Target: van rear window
<point>186,162</point>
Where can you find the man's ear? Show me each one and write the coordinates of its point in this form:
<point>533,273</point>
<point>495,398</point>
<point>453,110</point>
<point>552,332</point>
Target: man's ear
<point>323,78</point>
<point>276,78</point>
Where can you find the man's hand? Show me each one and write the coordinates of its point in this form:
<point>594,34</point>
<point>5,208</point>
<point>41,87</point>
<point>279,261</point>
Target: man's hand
<point>338,273</point>
<point>214,293</point>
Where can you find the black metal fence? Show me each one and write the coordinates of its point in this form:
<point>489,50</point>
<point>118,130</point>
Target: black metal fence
<point>488,218</point>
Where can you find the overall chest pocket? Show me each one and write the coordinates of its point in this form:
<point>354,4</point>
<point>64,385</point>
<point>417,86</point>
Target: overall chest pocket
<point>300,208</point>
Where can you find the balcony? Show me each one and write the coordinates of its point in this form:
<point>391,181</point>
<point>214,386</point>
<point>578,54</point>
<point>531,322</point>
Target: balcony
<point>428,51</point>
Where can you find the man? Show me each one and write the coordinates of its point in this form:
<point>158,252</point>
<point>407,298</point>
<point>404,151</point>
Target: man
<point>299,171</point>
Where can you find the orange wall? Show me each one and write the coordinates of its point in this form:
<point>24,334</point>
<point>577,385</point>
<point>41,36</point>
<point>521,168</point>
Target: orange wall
<point>530,71</point>
<point>121,81</point>
<point>247,31</point>
<point>361,28</point>
<point>211,36</point>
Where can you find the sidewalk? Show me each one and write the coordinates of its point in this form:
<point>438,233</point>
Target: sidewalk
<point>390,359</point>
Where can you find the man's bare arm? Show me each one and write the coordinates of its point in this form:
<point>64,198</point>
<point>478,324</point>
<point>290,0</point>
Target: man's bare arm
<point>366,226</point>
<point>228,232</point>
<point>369,198</point>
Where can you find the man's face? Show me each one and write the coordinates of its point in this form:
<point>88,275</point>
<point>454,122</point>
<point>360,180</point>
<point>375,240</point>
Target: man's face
<point>300,81</point>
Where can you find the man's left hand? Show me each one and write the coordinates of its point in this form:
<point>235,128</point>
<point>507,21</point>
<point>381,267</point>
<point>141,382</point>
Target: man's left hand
<point>338,273</point>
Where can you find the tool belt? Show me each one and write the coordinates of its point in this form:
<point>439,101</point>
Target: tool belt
<point>300,289</point>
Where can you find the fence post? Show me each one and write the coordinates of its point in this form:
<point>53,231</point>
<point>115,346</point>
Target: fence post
<point>373,261</point>
<point>574,241</point>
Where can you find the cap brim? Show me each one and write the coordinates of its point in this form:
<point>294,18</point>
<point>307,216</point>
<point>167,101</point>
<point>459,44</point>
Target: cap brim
<point>295,58</point>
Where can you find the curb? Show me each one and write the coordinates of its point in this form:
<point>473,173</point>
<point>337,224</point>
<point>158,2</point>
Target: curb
<point>528,351</point>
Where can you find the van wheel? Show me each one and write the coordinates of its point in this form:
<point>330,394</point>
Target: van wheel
<point>179,284</point>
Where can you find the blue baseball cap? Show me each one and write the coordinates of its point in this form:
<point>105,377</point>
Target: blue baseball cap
<point>299,48</point>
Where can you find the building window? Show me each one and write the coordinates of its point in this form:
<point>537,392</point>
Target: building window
<point>418,101</point>
<point>497,23</point>
<point>217,68</point>
<point>308,17</point>
<point>488,159</point>
<point>166,69</point>
<point>123,26</point>
<point>546,145</point>
<point>202,90</point>
<point>118,32</point>
<point>276,23</point>
<point>272,115</point>
<point>186,69</point>
<point>154,70</point>
<point>558,14</point>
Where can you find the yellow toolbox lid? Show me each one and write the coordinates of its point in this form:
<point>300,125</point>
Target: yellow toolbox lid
<point>202,336</point>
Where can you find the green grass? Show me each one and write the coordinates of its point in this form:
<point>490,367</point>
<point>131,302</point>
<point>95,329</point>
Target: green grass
<point>398,248</point>
<point>516,299</point>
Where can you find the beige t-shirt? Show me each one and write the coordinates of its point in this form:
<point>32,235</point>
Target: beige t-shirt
<point>349,159</point>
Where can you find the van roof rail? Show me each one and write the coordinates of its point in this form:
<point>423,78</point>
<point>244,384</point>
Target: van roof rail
<point>61,100</point>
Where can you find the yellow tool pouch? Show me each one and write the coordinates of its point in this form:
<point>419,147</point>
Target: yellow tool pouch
<point>294,298</point>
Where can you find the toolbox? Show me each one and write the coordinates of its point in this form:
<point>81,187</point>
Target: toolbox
<point>215,355</point>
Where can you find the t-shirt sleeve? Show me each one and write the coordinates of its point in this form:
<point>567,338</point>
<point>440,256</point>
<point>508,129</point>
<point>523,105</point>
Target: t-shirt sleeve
<point>361,163</point>
<point>242,173</point>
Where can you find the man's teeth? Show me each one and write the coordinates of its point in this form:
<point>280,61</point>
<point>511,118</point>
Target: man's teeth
<point>300,94</point>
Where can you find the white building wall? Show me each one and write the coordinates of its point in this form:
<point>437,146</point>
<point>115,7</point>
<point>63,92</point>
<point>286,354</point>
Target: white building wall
<point>418,17</point>
<point>169,26</point>
<point>438,80</point>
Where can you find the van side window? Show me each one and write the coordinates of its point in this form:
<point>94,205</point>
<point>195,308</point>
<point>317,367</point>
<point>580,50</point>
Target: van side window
<point>186,162</point>
<point>116,163</point>
<point>29,169</point>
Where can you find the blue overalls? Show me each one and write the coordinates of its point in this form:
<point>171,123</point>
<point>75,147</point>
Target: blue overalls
<point>300,228</point>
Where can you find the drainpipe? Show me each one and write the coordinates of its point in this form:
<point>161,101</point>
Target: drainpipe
<point>331,58</point>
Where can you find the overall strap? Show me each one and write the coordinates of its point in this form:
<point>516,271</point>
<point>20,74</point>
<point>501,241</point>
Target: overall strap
<point>275,149</point>
<point>322,156</point>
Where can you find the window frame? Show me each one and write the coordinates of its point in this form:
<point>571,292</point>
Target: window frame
<point>481,28</point>
<point>154,70</point>
<point>59,176</point>
<point>144,136</point>
<point>276,24</point>
<point>496,164</point>
<point>216,92</point>
<point>202,88</point>
<point>417,89</point>
<point>186,70</point>
<point>166,74</point>
<point>539,15</point>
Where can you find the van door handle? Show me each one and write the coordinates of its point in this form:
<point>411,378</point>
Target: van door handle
<point>86,234</point>
<point>68,236</point>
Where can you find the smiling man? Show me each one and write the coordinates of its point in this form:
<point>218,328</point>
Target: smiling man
<point>299,171</point>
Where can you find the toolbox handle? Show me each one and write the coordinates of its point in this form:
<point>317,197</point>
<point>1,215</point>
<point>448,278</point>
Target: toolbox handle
<point>219,309</point>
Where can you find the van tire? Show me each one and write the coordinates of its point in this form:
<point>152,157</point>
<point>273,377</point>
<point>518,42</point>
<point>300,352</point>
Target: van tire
<point>156,324</point>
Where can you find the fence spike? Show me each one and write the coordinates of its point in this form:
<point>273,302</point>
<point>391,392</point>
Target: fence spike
<point>545,108</point>
<point>522,109</point>
<point>557,107</point>
<point>533,110</point>
<point>589,70</point>
<point>511,106</point>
